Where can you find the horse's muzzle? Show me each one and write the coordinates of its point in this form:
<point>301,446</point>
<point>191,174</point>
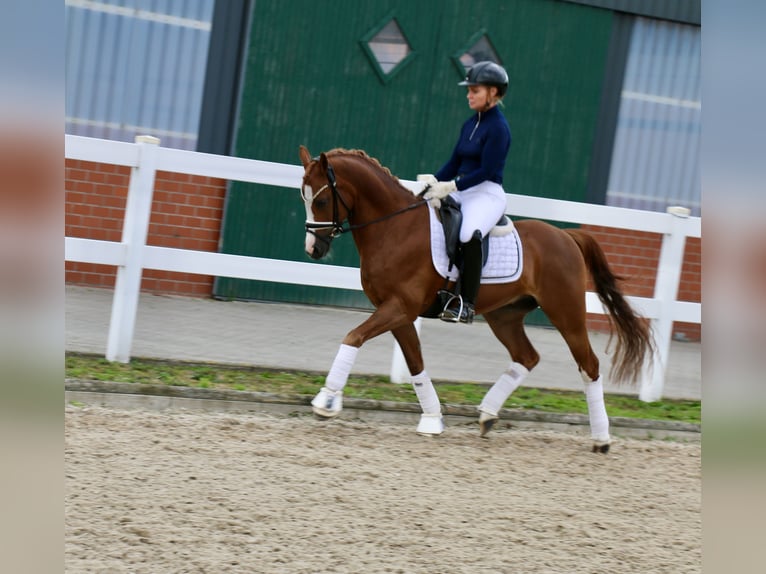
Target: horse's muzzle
<point>317,245</point>
<point>317,253</point>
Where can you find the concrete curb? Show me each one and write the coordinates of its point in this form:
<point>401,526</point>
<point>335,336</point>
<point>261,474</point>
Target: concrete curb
<point>160,397</point>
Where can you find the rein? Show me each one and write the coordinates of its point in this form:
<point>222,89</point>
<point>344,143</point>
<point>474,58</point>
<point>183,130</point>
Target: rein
<point>337,226</point>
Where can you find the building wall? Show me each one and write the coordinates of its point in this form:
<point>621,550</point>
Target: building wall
<point>187,212</point>
<point>634,256</point>
<point>329,93</point>
<point>136,67</point>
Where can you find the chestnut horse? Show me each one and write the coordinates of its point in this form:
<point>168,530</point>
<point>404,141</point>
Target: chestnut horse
<point>391,229</point>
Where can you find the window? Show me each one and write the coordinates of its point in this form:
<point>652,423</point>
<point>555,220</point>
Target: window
<point>388,48</point>
<point>480,50</point>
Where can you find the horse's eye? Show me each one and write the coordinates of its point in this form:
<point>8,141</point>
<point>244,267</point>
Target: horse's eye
<point>320,203</point>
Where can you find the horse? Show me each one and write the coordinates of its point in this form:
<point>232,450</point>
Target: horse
<point>349,191</point>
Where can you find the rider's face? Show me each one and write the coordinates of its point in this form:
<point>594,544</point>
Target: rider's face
<point>479,97</point>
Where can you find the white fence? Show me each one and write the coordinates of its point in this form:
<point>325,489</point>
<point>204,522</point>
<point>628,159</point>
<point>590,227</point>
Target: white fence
<point>132,255</point>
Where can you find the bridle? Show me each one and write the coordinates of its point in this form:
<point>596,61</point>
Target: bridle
<point>336,226</point>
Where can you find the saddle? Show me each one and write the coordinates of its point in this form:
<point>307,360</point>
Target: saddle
<point>451,218</point>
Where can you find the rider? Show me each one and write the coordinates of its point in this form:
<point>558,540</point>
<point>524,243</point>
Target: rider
<point>475,170</point>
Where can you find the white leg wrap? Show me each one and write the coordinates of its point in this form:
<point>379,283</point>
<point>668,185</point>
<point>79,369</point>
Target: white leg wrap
<point>341,368</point>
<point>427,397</point>
<point>508,382</point>
<point>599,421</point>
<point>431,422</point>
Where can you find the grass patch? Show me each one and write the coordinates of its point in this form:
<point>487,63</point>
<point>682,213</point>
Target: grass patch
<point>206,376</point>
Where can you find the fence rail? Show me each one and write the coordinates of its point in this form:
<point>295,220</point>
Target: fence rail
<point>131,255</point>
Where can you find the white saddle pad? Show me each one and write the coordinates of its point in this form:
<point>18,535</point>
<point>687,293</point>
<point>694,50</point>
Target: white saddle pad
<point>504,264</point>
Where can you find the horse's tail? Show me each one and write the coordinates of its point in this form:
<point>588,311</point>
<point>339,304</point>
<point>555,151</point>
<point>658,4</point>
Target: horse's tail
<point>634,335</point>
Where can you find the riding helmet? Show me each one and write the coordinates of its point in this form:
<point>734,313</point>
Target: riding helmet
<point>487,73</point>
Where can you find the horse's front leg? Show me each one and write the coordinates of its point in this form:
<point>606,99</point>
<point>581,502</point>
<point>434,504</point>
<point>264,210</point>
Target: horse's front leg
<point>431,422</point>
<point>328,402</point>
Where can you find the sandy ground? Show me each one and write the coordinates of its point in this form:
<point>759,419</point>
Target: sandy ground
<point>178,491</point>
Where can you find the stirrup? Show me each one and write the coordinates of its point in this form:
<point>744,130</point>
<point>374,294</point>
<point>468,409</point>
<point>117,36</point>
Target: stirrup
<point>464,312</point>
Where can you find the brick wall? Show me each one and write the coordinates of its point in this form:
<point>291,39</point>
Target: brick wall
<point>187,213</point>
<point>634,256</point>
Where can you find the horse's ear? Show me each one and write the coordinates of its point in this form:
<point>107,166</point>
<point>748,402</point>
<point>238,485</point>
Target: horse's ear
<point>305,156</point>
<point>323,161</point>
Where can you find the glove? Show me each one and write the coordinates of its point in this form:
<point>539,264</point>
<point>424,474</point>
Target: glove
<point>440,189</point>
<point>426,179</point>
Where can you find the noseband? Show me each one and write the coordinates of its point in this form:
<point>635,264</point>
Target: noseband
<point>335,225</point>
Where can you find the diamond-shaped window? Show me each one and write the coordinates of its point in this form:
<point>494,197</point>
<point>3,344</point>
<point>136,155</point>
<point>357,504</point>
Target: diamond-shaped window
<point>388,48</point>
<point>480,49</point>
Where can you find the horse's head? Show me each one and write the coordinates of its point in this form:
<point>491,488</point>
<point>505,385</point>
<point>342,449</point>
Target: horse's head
<point>326,209</point>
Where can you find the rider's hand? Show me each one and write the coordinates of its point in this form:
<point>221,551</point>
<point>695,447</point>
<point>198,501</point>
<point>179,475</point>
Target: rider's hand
<point>440,189</point>
<point>426,178</point>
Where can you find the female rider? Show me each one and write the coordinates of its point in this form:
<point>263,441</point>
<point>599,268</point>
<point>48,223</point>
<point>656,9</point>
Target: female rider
<point>473,176</point>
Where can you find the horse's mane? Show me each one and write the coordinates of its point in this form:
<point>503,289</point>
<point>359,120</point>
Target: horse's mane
<point>362,154</point>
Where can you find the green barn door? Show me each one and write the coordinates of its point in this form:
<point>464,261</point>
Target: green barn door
<point>382,77</point>
<point>324,74</point>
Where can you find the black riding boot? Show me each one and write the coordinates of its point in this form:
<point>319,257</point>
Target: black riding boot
<point>461,308</point>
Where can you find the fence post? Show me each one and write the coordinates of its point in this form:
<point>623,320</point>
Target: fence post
<point>399,371</point>
<point>665,292</point>
<point>135,228</point>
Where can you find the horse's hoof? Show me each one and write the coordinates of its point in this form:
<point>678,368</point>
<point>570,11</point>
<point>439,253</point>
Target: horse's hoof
<point>486,422</point>
<point>486,426</point>
<point>602,448</point>
<point>430,425</point>
<point>327,404</point>
<point>324,414</point>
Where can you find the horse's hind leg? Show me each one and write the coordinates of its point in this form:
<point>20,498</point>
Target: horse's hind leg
<point>569,319</point>
<point>507,323</point>
<point>431,422</point>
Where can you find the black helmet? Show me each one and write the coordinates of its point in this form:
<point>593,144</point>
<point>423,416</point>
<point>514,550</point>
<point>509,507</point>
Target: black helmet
<point>487,73</point>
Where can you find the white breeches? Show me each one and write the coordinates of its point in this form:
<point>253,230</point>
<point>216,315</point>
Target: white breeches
<point>482,206</point>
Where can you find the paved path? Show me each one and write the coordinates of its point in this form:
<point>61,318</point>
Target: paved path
<point>306,338</point>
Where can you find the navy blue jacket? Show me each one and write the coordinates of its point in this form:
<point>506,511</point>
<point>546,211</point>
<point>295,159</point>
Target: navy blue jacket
<point>480,152</point>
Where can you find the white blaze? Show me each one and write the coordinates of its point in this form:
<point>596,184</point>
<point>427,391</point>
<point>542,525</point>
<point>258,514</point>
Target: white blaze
<point>308,199</point>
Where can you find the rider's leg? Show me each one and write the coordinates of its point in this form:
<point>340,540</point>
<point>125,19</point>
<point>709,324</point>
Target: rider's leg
<point>470,277</point>
<point>481,205</point>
